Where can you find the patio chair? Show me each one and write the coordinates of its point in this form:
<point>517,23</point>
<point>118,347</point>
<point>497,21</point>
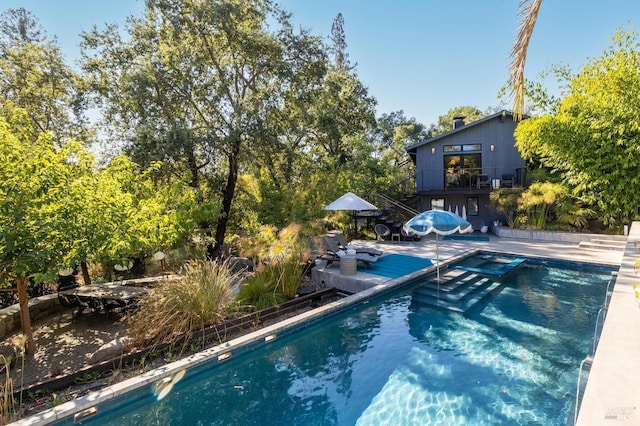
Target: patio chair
<point>382,230</point>
<point>483,181</point>
<point>408,235</point>
<point>334,254</point>
<point>344,245</point>
<point>68,302</point>
<point>507,181</point>
<point>110,305</point>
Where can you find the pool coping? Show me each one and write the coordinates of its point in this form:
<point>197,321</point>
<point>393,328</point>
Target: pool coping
<point>612,393</point>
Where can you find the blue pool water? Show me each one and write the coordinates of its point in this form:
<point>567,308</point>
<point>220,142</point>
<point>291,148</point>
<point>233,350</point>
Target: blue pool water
<point>513,359</point>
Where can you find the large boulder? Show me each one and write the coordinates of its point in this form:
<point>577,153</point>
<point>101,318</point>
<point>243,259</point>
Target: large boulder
<point>112,349</point>
<point>240,264</point>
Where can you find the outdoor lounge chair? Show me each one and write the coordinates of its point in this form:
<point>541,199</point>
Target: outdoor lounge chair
<point>334,254</point>
<point>344,245</point>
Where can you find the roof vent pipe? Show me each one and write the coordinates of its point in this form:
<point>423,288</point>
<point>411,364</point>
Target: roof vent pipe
<point>458,121</point>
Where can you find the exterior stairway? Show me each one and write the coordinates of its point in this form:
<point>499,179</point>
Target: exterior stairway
<point>605,242</point>
<point>392,213</point>
<point>459,290</point>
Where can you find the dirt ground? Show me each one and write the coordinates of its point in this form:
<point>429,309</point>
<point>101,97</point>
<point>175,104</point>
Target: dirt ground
<point>62,346</point>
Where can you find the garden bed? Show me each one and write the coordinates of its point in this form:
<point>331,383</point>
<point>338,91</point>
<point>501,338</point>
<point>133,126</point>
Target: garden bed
<point>42,395</point>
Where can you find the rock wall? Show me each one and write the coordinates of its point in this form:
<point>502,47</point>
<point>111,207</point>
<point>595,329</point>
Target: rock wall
<point>39,307</point>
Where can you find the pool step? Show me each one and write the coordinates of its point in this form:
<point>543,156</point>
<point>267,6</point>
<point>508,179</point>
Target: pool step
<point>477,265</point>
<point>611,243</point>
<point>458,291</point>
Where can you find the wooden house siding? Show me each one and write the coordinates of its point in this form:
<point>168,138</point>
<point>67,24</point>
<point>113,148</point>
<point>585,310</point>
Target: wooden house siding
<point>434,189</point>
<point>497,131</point>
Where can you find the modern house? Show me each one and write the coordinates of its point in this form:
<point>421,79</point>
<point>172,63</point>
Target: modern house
<point>458,169</point>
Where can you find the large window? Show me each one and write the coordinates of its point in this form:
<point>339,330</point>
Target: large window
<point>463,148</point>
<point>461,170</point>
<point>437,204</point>
<point>472,206</point>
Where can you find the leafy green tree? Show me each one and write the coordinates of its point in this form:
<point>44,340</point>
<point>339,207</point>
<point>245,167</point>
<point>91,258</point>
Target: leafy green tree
<point>323,133</point>
<point>19,26</point>
<point>445,122</point>
<point>202,81</point>
<point>343,110</point>
<point>56,210</point>
<point>339,43</point>
<point>395,127</point>
<point>34,76</point>
<point>36,230</point>
<point>593,138</point>
<point>124,213</point>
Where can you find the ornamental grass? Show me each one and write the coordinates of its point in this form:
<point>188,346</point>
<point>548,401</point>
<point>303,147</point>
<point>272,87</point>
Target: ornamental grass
<point>272,284</point>
<point>181,308</point>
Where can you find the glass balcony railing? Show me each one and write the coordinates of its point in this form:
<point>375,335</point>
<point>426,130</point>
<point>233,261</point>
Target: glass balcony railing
<point>470,179</point>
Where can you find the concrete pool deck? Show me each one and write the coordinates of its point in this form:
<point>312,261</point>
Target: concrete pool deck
<point>613,388</point>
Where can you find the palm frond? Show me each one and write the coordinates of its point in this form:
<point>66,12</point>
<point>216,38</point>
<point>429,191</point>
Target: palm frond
<point>528,14</point>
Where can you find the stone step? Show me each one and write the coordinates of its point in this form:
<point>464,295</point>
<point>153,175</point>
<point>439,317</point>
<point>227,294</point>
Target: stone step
<point>453,291</point>
<point>458,294</point>
<point>449,282</point>
<point>611,245</point>
<point>494,288</point>
<point>614,241</point>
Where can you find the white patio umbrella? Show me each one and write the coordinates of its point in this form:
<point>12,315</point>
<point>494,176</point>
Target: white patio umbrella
<point>439,222</point>
<point>464,212</point>
<point>353,203</point>
<point>457,211</point>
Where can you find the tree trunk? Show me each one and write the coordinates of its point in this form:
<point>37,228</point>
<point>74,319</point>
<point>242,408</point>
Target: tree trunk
<point>193,168</point>
<point>85,273</point>
<point>227,198</point>
<point>25,318</point>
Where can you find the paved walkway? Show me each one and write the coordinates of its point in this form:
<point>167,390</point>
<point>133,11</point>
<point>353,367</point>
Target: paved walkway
<point>613,390</point>
<point>612,395</point>
<point>450,249</point>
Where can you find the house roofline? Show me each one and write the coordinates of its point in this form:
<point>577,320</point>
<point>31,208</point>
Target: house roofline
<point>412,149</point>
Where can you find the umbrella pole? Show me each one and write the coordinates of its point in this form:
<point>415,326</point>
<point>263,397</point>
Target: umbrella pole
<point>437,268</point>
<point>355,226</point>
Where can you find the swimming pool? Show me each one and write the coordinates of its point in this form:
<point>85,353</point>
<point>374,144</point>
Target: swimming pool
<point>512,359</point>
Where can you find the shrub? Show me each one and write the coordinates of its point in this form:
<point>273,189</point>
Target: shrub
<point>272,284</point>
<point>273,246</point>
<point>182,307</point>
<point>572,212</point>
<point>258,293</point>
<point>537,202</point>
<point>505,201</point>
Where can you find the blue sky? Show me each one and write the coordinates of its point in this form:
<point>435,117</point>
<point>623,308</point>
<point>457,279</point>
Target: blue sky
<point>421,56</point>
